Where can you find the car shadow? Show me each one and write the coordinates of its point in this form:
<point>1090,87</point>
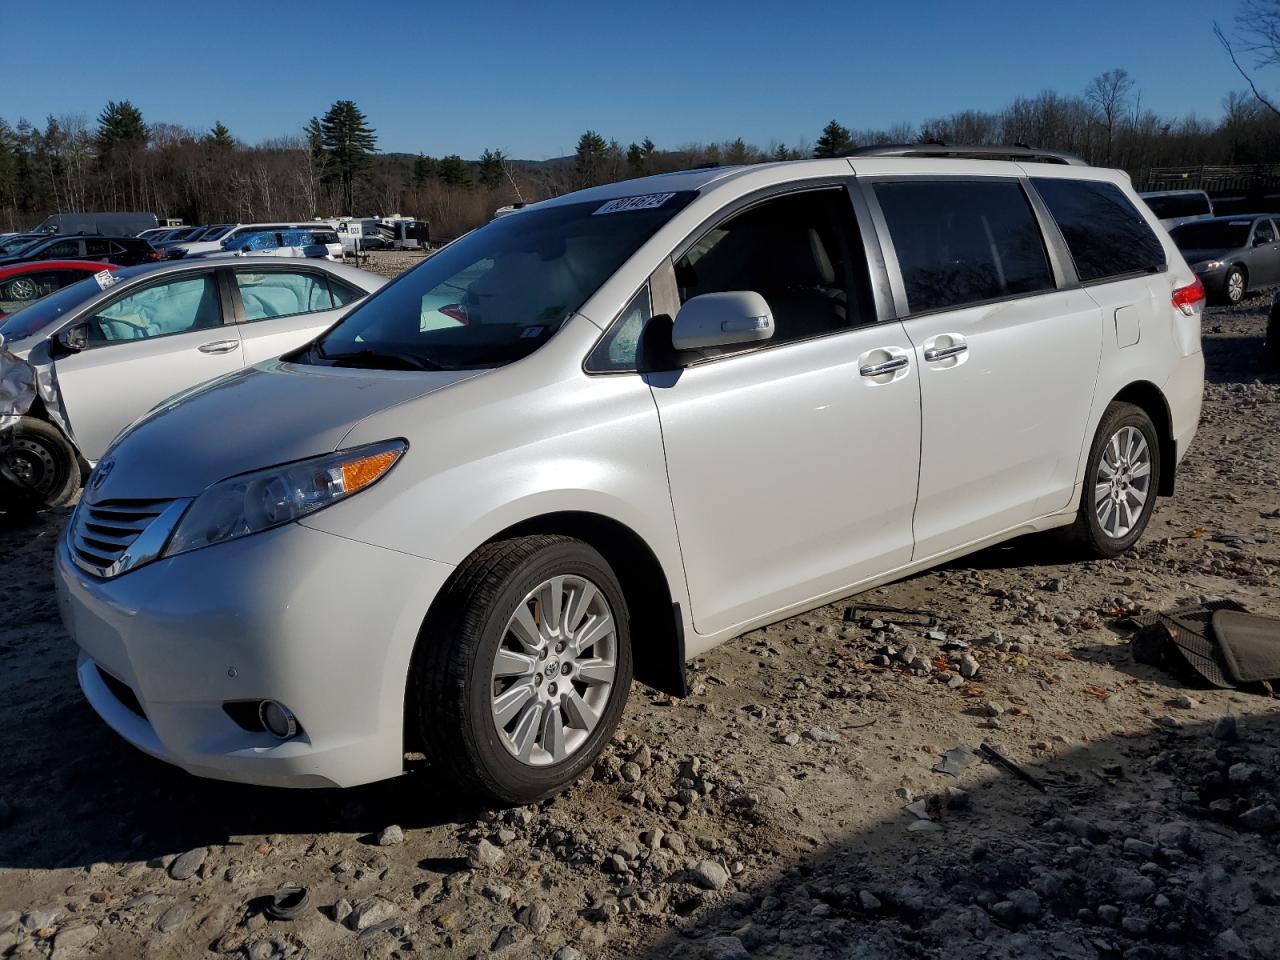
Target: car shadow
<point>1013,873</point>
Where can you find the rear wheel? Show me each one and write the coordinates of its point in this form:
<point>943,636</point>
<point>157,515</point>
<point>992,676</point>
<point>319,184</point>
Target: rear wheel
<point>38,467</point>
<point>1121,481</point>
<point>522,672</point>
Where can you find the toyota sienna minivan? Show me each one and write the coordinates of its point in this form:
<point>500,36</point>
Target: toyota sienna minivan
<point>611,430</point>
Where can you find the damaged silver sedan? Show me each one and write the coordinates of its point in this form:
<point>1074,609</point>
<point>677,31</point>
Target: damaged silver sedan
<point>83,363</point>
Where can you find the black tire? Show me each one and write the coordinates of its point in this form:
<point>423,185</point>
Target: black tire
<point>1238,295</point>
<point>450,683</point>
<point>38,467</point>
<point>1087,531</point>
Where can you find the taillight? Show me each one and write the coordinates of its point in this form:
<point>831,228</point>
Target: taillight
<point>456,311</point>
<point>1188,298</point>
<point>153,255</point>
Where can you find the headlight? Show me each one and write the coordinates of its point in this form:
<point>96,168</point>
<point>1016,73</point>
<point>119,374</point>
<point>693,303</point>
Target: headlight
<point>1212,265</point>
<point>253,502</point>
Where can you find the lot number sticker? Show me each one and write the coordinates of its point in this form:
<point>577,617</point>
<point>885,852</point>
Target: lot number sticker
<point>627,204</point>
<point>104,278</point>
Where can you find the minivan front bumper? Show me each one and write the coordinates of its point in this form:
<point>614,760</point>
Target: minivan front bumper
<point>319,623</point>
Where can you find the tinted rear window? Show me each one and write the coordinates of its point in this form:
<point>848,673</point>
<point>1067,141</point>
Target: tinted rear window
<point>1179,205</point>
<point>1212,234</point>
<point>961,242</point>
<point>1106,235</point>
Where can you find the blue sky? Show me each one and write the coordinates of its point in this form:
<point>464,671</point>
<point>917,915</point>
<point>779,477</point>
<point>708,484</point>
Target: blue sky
<point>528,78</point>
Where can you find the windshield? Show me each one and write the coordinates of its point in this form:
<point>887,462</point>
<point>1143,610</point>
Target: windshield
<point>48,309</point>
<point>215,233</point>
<point>498,293</point>
<point>16,245</point>
<point>1175,205</point>
<point>1212,234</point>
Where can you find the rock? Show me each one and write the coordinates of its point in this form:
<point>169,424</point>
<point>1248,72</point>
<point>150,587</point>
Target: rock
<point>821,735</point>
<point>868,900</point>
<point>1229,943</point>
<point>185,866</point>
<point>342,910</point>
<point>391,836</point>
<point>642,758</point>
<point>791,739</point>
<point>1263,818</point>
<point>968,666</point>
<point>675,843</point>
<point>566,953</point>
<point>1243,773</point>
<point>628,849</point>
<point>725,948</point>
<point>1109,914</point>
<point>1184,703</point>
<point>954,761</point>
<point>1225,728</point>
<point>1026,903</point>
<point>172,918</point>
<point>1139,848</point>
<point>484,855</point>
<point>506,937</point>
<point>710,875</point>
<point>1135,926</point>
<point>536,917</point>
<point>73,938</point>
<point>1134,887</point>
<point>924,826</point>
<point>631,772</point>
<point>652,838</point>
<point>366,913</point>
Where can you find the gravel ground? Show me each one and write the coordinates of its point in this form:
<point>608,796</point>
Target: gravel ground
<point>817,796</point>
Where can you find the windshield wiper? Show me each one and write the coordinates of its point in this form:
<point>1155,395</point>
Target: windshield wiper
<point>369,356</point>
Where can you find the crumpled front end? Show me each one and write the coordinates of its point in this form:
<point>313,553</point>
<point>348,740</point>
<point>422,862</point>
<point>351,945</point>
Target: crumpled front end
<point>25,377</point>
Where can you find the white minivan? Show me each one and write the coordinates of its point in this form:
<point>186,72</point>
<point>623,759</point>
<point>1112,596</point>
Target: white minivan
<point>667,411</point>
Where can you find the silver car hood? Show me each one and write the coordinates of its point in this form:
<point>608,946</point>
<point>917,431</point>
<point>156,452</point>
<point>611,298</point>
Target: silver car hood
<point>273,413</point>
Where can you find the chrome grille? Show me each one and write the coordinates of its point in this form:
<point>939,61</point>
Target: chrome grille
<point>113,536</point>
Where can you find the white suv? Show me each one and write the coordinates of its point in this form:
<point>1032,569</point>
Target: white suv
<point>652,415</point>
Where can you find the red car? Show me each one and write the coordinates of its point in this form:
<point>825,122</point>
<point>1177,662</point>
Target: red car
<point>22,284</point>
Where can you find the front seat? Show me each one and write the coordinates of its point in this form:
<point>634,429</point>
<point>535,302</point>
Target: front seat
<point>798,282</point>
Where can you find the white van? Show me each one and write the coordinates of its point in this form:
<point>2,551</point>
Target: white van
<point>668,411</point>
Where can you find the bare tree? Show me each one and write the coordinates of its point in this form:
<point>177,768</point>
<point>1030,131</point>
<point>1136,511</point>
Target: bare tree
<point>1258,33</point>
<point>1109,93</point>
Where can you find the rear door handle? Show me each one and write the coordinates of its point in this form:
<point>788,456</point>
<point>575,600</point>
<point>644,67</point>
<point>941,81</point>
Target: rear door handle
<point>945,353</point>
<point>219,346</point>
<point>885,366</point>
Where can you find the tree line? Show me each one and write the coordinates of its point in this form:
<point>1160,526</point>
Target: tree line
<point>332,166</point>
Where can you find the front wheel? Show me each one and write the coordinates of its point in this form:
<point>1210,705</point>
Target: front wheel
<point>1235,286</point>
<point>38,467</point>
<point>522,671</point>
<point>1121,481</point>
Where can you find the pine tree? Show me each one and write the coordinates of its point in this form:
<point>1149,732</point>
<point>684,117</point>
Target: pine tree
<point>220,137</point>
<point>425,168</point>
<point>590,159</point>
<point>492,168</point>
<point>349,143</point>
<point>780,152</point>
<point>834,141</point>
<point>635,160</point>
<point>454,171</point>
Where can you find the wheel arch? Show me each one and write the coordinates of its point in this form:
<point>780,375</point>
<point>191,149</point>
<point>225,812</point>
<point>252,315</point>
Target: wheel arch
<point>1147,396</point>
<point>659,658</point>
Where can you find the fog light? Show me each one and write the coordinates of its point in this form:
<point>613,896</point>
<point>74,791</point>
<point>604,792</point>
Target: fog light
<point>278,719</point>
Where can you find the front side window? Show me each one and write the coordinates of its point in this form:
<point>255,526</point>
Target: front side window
<point>961,242</point>
<point>1264,233</point>
<point>1106,235</point>
<point>498,293</point>
<point>160,310</point>
<point>281,293</point>
<point>797,251</point>
<point>618,348</point>
<point>97,248</point>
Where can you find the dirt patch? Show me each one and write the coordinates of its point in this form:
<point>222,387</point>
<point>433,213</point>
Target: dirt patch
<point>816,796</point>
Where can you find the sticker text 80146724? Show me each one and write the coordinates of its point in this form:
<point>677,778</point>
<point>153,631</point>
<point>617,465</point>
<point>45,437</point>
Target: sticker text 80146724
<point>626,204</point>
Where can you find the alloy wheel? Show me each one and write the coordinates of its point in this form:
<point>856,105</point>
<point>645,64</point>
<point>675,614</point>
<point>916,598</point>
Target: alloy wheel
<point>1123,482</point>
<point>553,672</point>
<point>23,289</point>
<point>1235,286</point>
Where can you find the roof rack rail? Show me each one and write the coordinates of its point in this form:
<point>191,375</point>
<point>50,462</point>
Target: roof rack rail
<point>1015,152</point>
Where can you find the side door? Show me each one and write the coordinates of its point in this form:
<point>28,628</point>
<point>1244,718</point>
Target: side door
<point>1007,361</point>
<point>145,345</point>
<point>280,308</point>
<point>1264,254</point>
<point>792,463</point>
<point>70,249</point>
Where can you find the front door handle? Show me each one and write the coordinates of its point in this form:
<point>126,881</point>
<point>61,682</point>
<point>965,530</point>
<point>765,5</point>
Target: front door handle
<point>219,346</point>
<point>885,366</point>
<point>945,353</point>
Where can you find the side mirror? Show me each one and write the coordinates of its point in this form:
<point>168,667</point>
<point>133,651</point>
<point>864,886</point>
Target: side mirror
<point>74,338</point>
<point>722,320</point>
<point>1260,241</point>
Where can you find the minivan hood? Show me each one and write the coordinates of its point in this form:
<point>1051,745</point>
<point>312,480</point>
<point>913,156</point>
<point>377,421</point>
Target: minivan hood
<point>273,413</point>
